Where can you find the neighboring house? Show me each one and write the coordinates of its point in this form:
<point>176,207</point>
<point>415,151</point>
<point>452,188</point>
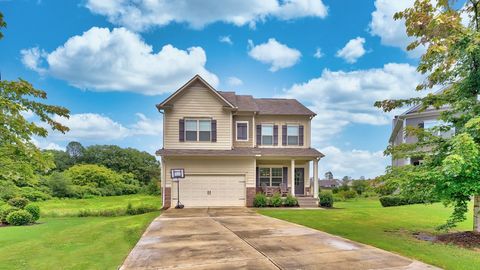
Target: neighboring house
<point>413,117</point>
<point>329,183</point>
<point>230,145</point>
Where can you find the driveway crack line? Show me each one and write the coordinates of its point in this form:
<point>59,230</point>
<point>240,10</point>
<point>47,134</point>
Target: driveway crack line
<point>245,241</point>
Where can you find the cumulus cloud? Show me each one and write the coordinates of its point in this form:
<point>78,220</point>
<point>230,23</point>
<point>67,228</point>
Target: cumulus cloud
<point>354,163</point>
<point>352,50</point>
<point>392,32</point>
<point>119,60</point>
<point>100,128</point>
<point>225,39</point>
<point>140,15</point>
<point>147,126</point>
<point>234,81</point>
<point>340,98</point>
<point>318,53</point>
<point>277,55</point>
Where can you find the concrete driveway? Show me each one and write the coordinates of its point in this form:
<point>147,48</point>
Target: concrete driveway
<point>238,238</point>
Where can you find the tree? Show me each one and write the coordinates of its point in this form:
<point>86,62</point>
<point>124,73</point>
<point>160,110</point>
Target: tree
<point>61,159</point>
<point>16,132</point>
<point>359,186</point>
<point>75,151</point>
<point>3,24</point>
<point>450,168</point>
<point>144,166</point>
<point>329,176</point>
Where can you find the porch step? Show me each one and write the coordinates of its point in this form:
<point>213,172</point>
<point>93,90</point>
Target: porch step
<point>307,202</point>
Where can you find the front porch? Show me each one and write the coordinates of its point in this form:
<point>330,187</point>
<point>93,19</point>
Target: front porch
<point>287,177</point>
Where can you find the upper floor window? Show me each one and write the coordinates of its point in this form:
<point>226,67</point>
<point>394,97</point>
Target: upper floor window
<point>429,124</point>
<point>267,134</point>
<point>198,130</point>
<point>292,134</point>
<point>242,131</point>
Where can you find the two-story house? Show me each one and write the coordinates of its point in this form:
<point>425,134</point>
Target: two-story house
<point>231,145</point>
<point>413,117</point>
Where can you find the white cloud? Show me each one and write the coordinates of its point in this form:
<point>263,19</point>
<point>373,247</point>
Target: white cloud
<point>340,98</point>
<point>225,39</point>
<point>32,59</point>
<point>234,81</point>
<point>141,15</point>
<point>275,54</point>
<point>147,126</point>
<point>354,163</point>
<point>318,53</point>
<point>392,32</point>
<point>42,143</point>
<point>119,60</point>
<point>352,50</point>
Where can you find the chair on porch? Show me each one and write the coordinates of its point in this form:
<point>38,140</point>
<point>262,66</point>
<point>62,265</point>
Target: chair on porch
<point>283,189</point>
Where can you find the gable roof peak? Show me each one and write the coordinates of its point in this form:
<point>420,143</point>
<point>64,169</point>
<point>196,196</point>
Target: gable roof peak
<point>195,78</point>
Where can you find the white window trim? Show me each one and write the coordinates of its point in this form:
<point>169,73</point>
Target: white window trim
<point>198,129</point>
<point>236,131</point>
<point>273,133</point>
<point>298,134</point>
<point>271,176</point>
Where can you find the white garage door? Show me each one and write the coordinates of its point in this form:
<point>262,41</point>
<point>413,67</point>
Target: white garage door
<point>211,190</point>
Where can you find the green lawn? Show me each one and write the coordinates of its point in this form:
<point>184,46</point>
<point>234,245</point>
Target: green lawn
<point>70,207</point>
<point>364,220</point>
<point>76,242</point>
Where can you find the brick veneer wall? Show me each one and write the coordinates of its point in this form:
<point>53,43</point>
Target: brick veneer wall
<point>168,198</point>
<point>251,191</point>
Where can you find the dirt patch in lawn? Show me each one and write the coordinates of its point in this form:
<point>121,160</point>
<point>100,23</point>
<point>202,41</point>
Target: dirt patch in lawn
<point>469,239</point>
<point>464,239</point>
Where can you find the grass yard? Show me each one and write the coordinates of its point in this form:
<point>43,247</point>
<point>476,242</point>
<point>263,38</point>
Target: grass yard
<point>366,221</point>
<point>70,207</point>
<point>76,242</point>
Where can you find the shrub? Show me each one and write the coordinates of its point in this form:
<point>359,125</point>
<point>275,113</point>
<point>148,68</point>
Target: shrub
<point>326,199</point>
<point>290,201</point>
<point>260,200</point>
<point>34,210</point>
<point>5,210</point>
<point>60,185</point>
<point>276,200</point>
<point>34,195</point>
<point>152,188</point>
<point>18,202</point>
<point>345,195</point>
<point>388,201</point>
<point>138,210</point>
<point>19,218</point>
<point>8,190</point>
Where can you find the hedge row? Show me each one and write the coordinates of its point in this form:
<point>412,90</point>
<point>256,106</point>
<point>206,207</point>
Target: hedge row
<point>388,201</point>
<point>276,200</point>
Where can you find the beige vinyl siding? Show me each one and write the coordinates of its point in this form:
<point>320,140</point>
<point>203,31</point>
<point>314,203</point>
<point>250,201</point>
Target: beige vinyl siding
<point>285,120</point>
<point>244,166</point>
<point>197,102</point>
<point>250,131</point>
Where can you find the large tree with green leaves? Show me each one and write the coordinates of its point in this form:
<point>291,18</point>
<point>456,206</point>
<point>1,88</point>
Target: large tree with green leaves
<point>451,167</point>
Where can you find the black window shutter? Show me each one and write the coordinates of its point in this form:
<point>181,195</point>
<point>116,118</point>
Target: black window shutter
<point>258,177</point>
<point>284,135</point>
<point>259,134</point>
<point>181,130</point>
<point>300,135</point>
<point>214,130</point>
<point>421,125</point>
<point>275,135</point>
<point>285,175</point>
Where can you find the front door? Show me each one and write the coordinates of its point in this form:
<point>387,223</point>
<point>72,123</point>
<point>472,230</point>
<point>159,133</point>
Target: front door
<point>299,181</point>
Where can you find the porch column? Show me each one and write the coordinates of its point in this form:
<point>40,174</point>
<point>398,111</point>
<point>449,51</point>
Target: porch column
<point>292,180</point>
<point>315,178</point>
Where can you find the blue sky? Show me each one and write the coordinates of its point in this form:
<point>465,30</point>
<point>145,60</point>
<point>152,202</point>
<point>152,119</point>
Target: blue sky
<point>110,62</point>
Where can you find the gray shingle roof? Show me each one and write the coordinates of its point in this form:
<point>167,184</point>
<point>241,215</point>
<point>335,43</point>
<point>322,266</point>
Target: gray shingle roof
<point>268,106</point>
